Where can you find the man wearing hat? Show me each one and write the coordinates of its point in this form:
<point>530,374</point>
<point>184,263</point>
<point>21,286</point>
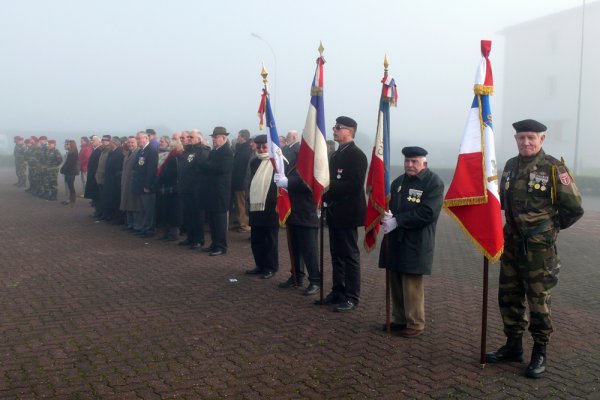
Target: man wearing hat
<point>53,159</point>
<point>415,205</point>
<point>33,166</point>
<point>100,172</point>
<point>539,198</point>
<point>43,177</point>
<point>264,220</point>
<point>346,209</point>
<point>20,161</point>
<point>217,170</point>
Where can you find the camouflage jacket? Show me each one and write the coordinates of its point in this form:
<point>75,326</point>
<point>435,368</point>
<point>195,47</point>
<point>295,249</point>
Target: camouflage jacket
<point>19,152</point>
<point>539,197</point>
<point>52,158</point>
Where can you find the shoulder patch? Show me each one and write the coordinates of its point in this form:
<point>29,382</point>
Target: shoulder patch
<point>565,179</point>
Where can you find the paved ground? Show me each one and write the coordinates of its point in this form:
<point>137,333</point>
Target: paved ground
<point>88,311</point>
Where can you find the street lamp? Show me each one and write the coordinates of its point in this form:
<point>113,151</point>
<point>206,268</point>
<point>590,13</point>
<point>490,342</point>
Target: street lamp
<point>274,70</point>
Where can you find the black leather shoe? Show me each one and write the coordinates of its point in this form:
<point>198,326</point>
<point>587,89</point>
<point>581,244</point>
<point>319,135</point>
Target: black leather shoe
<point>208,249</point>
<point>184,243</point>
<point>346,306</point>
<point>268,275</point>
<point>394,327</point>
<point>537,366</point>
<point>195,246</point>
<point>511,351</point>
<point>290,284</point>
<point>311,289</point>
<point>217,252</point>
<point>331,298</point>
<point>255,271</point>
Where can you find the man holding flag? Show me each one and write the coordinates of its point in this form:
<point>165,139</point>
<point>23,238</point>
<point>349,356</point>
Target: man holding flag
<point>410,223</point>
<point>539,198</point>
<point>346,208</point>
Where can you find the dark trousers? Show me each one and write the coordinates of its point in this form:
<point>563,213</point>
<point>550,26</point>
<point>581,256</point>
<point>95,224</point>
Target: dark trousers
<point>193,218</point>
<point>305,250</point>
<point>70,182</point>
<point>265,247</point>
<point>345,262</point>
<point>217,221</point>
<point>147,211</point>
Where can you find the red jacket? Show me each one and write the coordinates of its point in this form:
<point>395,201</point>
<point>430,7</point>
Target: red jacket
<point>84,157</point>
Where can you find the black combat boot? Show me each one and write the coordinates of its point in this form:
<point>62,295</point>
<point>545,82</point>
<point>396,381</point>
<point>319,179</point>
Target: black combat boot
<point>537,366</point>
<point>511,351</point>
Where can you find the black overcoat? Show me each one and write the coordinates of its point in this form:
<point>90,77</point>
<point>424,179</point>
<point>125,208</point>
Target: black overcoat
<point>346,201</point>
<point>144,170</point>
<point>304,210</point>
<point>91,186</point>
<point>217,172</point>
<point>243,152</point>
<point>411,244</point>
<point>268,217</point>
<point>111,195</point>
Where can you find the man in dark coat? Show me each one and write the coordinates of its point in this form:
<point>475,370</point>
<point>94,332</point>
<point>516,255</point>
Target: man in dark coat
<point>191,185</point>
<point>91,186</point>
<point>415,205</point>
<point>112,183</point>
<point>143,179</point>
<point>264,220</point>
<point>241,158</point>
<point>345,212</point>
<point>303,228</point>
<point>290,150</point>
<point>217,170</point>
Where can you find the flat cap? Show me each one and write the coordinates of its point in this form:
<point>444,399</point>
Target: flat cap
<point>414,151</point>
<point>346,121</point>
<point>245,133</point>
<point>529,125</point>
<point>260,139</point>
<point>219,130</point>
<point>106,137</point>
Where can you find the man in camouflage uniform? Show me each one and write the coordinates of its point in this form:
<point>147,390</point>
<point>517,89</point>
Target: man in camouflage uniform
<point>539,198</point>
<point>32,156</point>
<point>52,161</point>
<point>40,155</point>
<point>20,161</point>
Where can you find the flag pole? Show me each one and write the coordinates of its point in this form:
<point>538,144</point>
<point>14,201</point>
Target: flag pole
<point>322,219</point>
<point>388,322</point>
<point>264,75</point>
<point>484,311</point>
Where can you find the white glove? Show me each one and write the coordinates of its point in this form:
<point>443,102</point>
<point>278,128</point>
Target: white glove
<point>389,222</point>
<point>280,180</point>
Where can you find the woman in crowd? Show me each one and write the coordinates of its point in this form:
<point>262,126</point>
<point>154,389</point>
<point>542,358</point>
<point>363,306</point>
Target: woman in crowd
<point>84,158</point>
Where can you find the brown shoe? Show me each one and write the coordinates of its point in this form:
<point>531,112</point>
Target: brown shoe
<point>411,333</point>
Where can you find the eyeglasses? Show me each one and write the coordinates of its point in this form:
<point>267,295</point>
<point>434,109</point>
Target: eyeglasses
<point>339,127</point>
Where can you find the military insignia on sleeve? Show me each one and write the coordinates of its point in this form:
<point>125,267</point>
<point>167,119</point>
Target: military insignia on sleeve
<point>414,195</point>
<point>565,179</point>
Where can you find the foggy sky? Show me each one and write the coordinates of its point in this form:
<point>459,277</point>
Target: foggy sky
<point>82,67</point>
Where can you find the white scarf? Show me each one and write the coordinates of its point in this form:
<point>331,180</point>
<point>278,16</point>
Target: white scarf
<point>261,181</point>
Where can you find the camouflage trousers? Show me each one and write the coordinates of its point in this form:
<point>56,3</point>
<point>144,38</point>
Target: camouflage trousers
<point>21,170</point>
<point>526,280</point>
<point>49,179</point>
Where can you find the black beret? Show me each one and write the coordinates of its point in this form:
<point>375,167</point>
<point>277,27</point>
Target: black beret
<point>346,121</point>
<point>414,151</point>
<point>529,125</point>
<point>260,139</point>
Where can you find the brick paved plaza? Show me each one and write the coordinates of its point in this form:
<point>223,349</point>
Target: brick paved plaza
<point>89,311</point>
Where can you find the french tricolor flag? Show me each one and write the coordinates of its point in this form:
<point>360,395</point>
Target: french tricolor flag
<point>472,198</point>
<point>312,163</point>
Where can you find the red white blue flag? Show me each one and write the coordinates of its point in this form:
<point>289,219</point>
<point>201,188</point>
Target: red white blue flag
<point>378,177</point>
<point>265,112</point>
<point>473,197</point>
<point>313,163</point>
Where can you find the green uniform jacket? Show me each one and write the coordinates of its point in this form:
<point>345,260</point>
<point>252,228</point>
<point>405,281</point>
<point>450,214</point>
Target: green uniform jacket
<point>539,197</point>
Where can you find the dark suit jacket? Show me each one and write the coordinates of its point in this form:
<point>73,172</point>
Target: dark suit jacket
<point>91,186</point>
<point>304,210</point>
<point>346,201</point>
<point>144,170</point>
<point>243,152</point>
<point>217,171</point>
<point>291,154</point>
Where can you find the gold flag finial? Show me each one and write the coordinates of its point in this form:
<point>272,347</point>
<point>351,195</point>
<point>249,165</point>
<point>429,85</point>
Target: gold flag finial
<point>386,64</point>
<point>321,48</point>
<point>264,73</point>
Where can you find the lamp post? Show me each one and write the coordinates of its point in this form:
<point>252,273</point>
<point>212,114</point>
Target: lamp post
<point>577,164</point>
<point>274,69</point>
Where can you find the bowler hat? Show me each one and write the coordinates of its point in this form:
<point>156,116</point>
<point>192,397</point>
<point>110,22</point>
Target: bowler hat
<point>219,130</point>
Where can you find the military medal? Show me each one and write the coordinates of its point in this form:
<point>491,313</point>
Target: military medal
<point>339,173</point>
<point>141,161</point>
<point>414,195</point>
<point>191,157</point>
